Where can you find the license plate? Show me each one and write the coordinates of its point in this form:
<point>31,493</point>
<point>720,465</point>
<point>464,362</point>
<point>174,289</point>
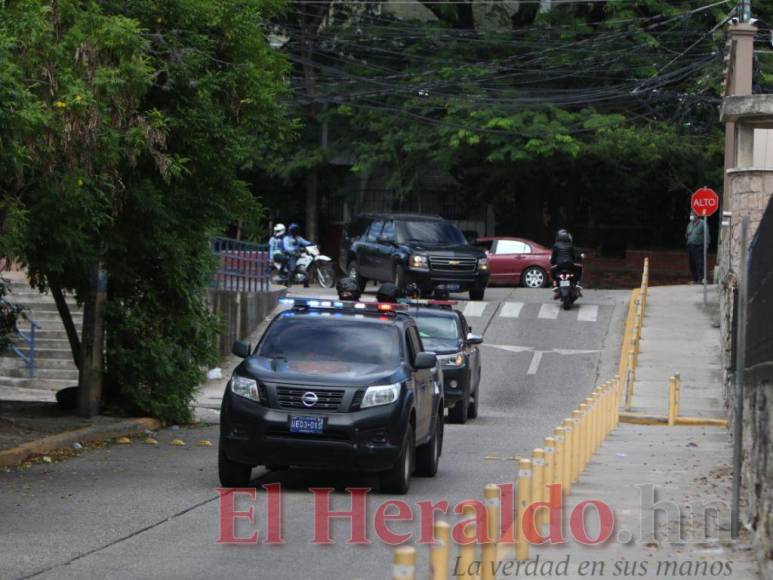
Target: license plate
<point>307,424</point>
<point>564,283</point>
<point>453,287</point>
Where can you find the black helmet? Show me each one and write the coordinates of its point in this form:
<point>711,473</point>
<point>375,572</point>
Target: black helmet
<point>412,290</point>
<point>387,293</point>
<point>563,236</point>
<point>348,289</point>
<point>441,294</point>
<point>294,229</point>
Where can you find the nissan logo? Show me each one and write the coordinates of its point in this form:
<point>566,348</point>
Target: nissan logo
<point>309,398</point>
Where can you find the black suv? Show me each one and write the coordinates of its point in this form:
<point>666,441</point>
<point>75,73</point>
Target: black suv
<point>334,385</point>
<point>405,248</point>
<point>446,332</point>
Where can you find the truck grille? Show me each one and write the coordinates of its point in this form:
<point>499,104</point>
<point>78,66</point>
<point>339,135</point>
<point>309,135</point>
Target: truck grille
<point>292,398</point>
<point>454,265</point>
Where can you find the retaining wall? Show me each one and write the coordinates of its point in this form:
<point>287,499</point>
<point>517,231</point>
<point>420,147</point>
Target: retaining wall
<point>241,313</point>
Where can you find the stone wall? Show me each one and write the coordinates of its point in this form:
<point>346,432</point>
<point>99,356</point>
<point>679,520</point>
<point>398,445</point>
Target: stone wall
<point>751,190</point>
<point>241,313</point>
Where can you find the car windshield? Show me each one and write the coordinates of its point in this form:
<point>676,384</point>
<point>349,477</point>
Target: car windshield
<point>332,339</point>
<point>436,327</point>
<point>431,232</point>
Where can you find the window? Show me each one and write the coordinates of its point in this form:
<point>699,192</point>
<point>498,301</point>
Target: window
<point>512,247</point>
<point>484,245</point>
<point>388,233</point>
<point>414,343</point>
<point>437,326</point>
<point>294,340</point>
<point>431,232</point>
<point>374,231</point>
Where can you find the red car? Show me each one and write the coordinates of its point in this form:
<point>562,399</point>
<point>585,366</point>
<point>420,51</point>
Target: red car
<point>516,261</point>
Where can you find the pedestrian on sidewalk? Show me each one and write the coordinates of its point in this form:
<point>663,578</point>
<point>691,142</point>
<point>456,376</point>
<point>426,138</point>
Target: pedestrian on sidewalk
<point>694,237</point>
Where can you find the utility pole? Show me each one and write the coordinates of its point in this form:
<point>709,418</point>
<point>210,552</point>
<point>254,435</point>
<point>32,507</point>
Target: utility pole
<point>92,344</point>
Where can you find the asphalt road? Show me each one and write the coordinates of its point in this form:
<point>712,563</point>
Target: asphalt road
<point>138,511</point>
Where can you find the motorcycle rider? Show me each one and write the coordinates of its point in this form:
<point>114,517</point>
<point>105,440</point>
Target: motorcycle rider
<point>388,292</point>
<point>348,289</point>
<point>292,244</point>
<point>276,247</point>
<point>565,257</point>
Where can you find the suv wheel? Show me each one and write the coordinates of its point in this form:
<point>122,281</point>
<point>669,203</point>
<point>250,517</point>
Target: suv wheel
<point>232,474</point>
<point>353,271</point>
<point>428,455</point>
<point>477,292</point>
<point>458,413</point>
<point>398,479</point>
<point>399,278</point>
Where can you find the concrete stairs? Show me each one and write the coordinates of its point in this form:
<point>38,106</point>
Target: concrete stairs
<point>55,367</point>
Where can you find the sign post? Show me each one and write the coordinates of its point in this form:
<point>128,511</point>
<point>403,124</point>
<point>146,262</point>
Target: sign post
<point>705,202</point>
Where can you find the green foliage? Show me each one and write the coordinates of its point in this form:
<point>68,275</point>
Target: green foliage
<point>125,133</point>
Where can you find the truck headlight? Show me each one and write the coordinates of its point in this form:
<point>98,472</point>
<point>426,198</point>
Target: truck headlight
<point>245,387</point>
<point>418,262</point>
<point>451,360</point>
<point>482,263</point>
<point>380,395</point>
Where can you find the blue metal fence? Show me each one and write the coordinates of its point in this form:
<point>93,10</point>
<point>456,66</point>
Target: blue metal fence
<point>242,266</point>
<point>27,338</point>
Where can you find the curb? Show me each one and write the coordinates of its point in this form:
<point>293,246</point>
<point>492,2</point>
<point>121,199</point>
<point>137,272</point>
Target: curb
<point>15,455</point>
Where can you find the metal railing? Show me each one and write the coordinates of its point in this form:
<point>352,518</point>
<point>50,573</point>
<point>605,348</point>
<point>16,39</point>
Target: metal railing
<point>242,266</point>
<point>29,358</point>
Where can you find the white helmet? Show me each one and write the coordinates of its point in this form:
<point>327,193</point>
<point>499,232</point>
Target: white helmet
<point>279,229</point>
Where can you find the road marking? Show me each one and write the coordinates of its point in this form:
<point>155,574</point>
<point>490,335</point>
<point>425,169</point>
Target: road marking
<point>535,360</point>
<point>588,313</point>
<point>511,309</point>
<point>509,348</point>
<point>549,311</point>
<point>475,308</point>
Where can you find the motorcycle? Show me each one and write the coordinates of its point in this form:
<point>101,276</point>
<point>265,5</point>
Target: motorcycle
<point>567,288</point>
<point>312,266</point>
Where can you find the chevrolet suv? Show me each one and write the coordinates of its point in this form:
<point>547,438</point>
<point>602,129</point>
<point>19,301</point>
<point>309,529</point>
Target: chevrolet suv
<point>409,248</point>
<point>334,385</point>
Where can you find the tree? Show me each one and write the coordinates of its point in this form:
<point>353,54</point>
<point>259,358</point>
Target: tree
<point>137,119</point>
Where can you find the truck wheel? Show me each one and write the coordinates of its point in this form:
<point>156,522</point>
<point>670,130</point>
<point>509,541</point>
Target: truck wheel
<point>428,455</point>
<point>477,292</point>
<point>232,474</point>
<point>458,413</point>
<point>397,479</point>
<point>353,271</point>
<point>472,408</point>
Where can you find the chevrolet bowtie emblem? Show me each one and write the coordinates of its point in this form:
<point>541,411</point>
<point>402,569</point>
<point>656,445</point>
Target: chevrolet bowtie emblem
<point>453,262</point>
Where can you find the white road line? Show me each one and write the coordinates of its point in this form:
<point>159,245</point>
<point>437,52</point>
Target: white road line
<point>475,308</point>
<point>549,311</point>
<point>534,365</point>
<point>588,313</point>
<point>511,309</point>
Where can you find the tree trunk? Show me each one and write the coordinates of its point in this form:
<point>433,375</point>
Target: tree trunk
<point>92,365</point>
<point>312,204</point>
<point>66,316</point>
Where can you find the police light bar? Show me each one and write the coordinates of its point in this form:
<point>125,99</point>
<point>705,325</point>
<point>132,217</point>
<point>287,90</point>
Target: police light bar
<point>323,304</point>
<point>432,302</point>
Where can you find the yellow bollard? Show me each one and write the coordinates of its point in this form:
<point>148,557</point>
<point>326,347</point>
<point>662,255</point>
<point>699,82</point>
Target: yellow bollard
<point>438,552</point>
<point>678,378</point>
<point>671,401</point>
<point>558,459</point>
<point>550,470</point>
<point>569,454</point>
<point>488,550</point>
<point>538,484</point>
<point>404,563</point>
<point>629,380</point>
<point>584,411</point>
<point>523,502</point>
<point>467,553</point>
<point>618,398</point>
<point>577,444</point>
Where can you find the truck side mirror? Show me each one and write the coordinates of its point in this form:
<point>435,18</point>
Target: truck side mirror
<point>241,349</point>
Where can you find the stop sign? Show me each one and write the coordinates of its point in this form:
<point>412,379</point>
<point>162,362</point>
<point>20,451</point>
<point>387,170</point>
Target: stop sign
<point>704,202</point>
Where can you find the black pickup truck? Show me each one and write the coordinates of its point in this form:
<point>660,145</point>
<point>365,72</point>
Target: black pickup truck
<point>411,248</point>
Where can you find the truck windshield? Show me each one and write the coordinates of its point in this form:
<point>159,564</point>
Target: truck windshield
<point>436,327</point>
<point>431,232</point>
<point>332,339</point>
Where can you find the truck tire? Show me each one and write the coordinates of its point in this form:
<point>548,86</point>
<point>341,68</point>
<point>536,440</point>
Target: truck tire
<point>353,271</point>
<point>428,455</point>
<point>232,474</point>
<point>397,479</point>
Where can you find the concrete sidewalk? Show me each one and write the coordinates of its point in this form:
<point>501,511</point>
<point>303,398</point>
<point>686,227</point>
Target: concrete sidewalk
<point>669,487</point>
<point>679,335</point>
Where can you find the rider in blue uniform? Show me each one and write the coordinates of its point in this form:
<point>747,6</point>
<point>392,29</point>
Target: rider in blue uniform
<point>293,243</point>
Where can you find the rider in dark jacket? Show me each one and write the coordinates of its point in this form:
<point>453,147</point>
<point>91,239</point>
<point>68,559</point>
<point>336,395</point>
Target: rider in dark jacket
<point>565,257</point>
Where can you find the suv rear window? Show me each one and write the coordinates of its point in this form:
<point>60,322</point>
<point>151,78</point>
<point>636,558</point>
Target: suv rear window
<point>332,339</point>
<point>431,232</point>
